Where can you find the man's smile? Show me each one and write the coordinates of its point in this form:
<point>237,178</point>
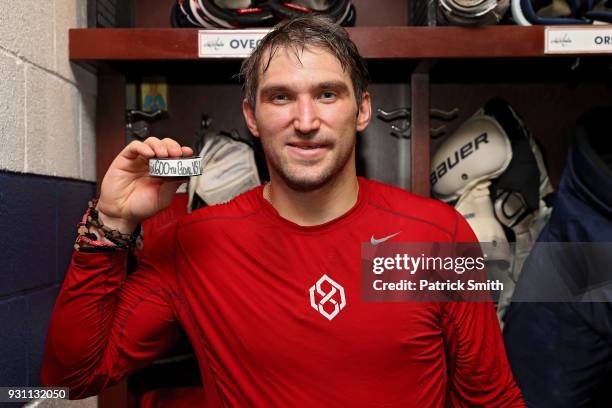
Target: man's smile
<point>307,149</point>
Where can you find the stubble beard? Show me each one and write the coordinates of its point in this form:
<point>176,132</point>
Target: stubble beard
<point>301,177</point>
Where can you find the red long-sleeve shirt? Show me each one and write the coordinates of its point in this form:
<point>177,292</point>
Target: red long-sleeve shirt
<point>238,277</point>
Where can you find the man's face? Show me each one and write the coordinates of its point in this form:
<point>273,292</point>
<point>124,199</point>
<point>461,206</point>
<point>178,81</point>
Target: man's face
<point>306,117</point>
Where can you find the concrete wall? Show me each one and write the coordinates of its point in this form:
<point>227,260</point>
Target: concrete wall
<point>47,105</point>
<point>47,172</point>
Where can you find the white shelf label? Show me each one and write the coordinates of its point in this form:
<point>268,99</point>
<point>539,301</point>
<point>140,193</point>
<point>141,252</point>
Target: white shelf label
<point>228,43</point>
<point>577,40</point>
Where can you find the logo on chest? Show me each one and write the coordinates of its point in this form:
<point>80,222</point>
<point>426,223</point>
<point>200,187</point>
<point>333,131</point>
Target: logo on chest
<point>327,297</point>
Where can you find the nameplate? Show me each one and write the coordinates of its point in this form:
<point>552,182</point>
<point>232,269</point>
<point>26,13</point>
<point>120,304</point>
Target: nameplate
<point>229,43</point>
<point>578,40</point>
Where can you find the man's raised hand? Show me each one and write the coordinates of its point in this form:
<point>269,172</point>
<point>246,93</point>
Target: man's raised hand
<point>128,194</point>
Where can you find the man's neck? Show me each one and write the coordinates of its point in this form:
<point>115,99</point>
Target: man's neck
<point>308,208</point>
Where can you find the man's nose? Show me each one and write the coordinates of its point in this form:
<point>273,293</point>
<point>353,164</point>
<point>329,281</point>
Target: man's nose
<point>306,119</point>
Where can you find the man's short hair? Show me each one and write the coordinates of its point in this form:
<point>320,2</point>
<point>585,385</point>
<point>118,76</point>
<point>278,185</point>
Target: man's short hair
<point>310,30</point>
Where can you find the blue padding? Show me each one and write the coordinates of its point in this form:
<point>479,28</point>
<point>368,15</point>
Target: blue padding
<point>13,337</point>
<point>531,15</point>
<point>38,217</point>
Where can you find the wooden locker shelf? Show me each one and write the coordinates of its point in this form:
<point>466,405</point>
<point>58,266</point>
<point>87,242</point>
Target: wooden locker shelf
<point>148,44</point>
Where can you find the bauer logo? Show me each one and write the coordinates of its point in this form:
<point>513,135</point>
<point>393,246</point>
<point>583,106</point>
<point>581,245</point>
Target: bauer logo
<point>456,157</point>
<point>327,297</point>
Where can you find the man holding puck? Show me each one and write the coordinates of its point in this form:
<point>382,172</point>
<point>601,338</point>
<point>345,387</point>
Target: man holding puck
<point>267,286</point>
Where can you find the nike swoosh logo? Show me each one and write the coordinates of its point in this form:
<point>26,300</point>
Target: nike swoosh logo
<point>375,241</point>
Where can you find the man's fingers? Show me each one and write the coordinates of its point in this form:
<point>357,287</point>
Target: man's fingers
<point>158,146</point>
<point>187,151</point>
<point>153,147</point>
<point>173,148</point>
<point>136,148</point>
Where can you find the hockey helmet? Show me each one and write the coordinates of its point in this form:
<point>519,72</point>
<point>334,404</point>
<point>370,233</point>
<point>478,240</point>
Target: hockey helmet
<point>472,12</point>
<point>340,11</point>
<point>181,15</point>
<point>215,14</point>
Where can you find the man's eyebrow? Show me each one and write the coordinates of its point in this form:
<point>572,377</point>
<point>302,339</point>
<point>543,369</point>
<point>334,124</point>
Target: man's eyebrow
<point>273,89</point>
<point>334,85</point>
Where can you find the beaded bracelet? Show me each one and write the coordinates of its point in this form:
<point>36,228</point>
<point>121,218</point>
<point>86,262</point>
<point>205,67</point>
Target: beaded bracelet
<point>89,239</point>
<point>86,239</point>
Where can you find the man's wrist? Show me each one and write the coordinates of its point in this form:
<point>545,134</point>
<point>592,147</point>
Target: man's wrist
<point>119,224</point>
<point>100,235</point>
<point>94,238</point>
<point>94,231</point>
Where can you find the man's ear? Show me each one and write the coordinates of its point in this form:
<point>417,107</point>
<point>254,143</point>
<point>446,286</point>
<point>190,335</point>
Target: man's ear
<point>249,117</point>
<point>365,112</point>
